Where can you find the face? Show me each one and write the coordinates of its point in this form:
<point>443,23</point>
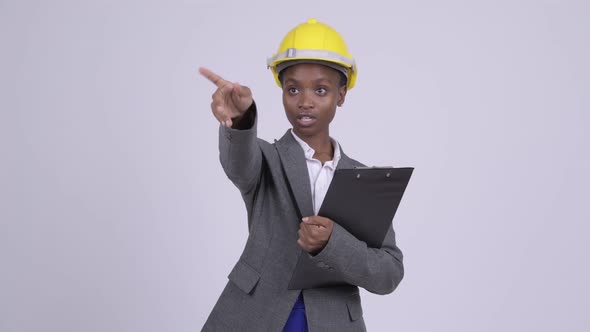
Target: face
<point>311,93</point>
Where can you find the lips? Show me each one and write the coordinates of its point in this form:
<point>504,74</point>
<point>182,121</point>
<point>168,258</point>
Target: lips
<point>306,119</point>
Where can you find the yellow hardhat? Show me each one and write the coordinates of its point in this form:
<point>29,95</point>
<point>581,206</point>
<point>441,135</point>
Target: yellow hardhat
<point>316,42</point>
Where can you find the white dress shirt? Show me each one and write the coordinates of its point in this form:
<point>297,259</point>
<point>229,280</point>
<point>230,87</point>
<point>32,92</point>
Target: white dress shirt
<point>320,175</point>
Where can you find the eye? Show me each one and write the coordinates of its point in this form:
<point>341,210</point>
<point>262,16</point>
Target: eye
<point>321,91</point>
<point>292,90</point>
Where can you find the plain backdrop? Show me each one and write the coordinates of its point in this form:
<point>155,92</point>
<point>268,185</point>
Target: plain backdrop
<point>115,214</point>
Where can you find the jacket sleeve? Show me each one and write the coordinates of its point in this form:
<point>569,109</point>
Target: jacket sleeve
<point>240,154</point>
<point>377,270</point>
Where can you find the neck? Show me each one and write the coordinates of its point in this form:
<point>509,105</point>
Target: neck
<point>321,144</point>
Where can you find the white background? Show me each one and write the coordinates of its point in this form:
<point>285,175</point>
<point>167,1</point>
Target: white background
<point>115,214</point>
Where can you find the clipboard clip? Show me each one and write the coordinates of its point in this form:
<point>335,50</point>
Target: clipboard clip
<point>385,168</point>
<point>373,167</point>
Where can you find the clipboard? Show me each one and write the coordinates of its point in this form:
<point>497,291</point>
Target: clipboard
<point>363,201</point>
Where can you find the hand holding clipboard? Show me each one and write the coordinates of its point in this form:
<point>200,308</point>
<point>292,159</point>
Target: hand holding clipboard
<point>363,201</point>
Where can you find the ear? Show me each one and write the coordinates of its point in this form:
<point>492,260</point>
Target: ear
<point>341,95</point>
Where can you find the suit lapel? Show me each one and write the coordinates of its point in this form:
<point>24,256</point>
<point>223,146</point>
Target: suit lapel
<point>345,162</point>
<point>295,167</point>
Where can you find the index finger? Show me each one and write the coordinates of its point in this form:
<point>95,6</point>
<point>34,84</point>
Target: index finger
<point>316,220</point>
<point>211,76</point>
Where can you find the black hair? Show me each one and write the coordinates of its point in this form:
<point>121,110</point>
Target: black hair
<point>343,79</point>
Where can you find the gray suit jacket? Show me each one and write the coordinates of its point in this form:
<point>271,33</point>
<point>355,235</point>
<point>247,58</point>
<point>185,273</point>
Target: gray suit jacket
<point>256,297</point>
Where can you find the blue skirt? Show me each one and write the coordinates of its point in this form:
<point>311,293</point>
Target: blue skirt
<point>297,321</point>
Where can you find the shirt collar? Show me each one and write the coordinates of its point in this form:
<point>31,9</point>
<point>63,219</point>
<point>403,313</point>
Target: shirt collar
<point>309,151</point>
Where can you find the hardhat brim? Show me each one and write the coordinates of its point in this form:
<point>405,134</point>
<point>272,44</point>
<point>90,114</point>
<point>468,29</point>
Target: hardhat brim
<point>286,64</point>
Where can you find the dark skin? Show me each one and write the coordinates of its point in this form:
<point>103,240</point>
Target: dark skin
<point>230,101</point>
<point>311,94</point>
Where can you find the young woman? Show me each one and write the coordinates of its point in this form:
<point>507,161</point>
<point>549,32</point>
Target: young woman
<point>288,178</point>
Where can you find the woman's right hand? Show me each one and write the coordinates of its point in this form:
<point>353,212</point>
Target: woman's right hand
<point>230,100</point>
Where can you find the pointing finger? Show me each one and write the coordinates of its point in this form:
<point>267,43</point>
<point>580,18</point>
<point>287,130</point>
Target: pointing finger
<point>316,220</point>
<point>211,76</point>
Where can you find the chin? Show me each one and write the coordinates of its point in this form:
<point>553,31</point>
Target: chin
<point>306,131</point>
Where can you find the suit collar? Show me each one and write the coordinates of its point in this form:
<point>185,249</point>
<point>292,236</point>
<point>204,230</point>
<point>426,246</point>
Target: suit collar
<point>345,161</point>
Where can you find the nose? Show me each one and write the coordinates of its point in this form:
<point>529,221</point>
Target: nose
<point>305,99</point>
